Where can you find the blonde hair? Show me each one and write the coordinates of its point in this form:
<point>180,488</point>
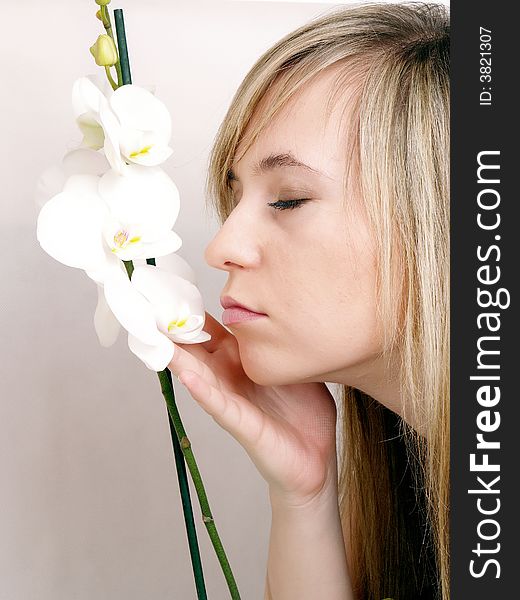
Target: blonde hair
<point>393,480</point>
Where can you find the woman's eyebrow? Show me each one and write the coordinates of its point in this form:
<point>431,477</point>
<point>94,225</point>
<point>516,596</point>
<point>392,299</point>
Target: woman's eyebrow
<point>276,161</point>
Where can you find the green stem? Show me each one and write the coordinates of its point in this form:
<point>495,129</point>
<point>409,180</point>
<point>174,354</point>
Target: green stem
<point>121,44</point>
<point>165,378</point>
<point>191,531</point>
<point>129,266</point>
<point>107,24</point>
<point>110,79</point>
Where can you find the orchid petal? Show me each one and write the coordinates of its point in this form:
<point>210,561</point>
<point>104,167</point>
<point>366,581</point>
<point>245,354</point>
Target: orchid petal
<point>79,161</point>
<point>144,147</point>
<point>178,266</point>
<point>88,92</point>
<point>112,129</point>
<point>177,303</point>
<point>85,161</point>
<point>112,263</point>
<point>203,336</point>
<point>145,196</point>
<point>155,155</point>
<point>70,224</point>
<point>97,276</point>
<point>93,134</point>
<point>106,325</point>
<point>132,248</point>
<point>86,101</point>
<point>86,97</point>
<point>131,309</point>
<point>168,243</point>
<point>155,357</point>
<point>157,285</point>
<point>137,108</point>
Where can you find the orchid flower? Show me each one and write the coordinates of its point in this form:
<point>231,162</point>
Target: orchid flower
<point>107,325</point>
<point>127,217</point>
<point>156,307</point>
<point>130,123</point>
<point>87,95</point>
<point>94,222</point>
<point>144,204</point>
<point>81,161</point>
<point>71,223</point>
<point>100,208</point>
<point>108,204</point>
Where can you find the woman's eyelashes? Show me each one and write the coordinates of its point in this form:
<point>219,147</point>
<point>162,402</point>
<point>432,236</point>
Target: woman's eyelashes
<point>287,204</point>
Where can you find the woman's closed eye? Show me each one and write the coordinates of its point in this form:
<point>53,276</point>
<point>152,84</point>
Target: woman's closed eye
<point>288,204</point>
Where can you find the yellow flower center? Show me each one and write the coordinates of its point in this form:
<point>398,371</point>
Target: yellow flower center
<point>121,240</point>
<point>144,150</point>
<point>177,324</point>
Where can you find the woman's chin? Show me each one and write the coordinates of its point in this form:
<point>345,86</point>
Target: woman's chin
<point>259,374</point>
<point>267,372</point>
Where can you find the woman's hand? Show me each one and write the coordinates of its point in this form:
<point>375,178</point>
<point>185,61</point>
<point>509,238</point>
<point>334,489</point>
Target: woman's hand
<point>288,431</point>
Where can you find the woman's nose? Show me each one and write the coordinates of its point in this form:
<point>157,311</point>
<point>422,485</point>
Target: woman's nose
<point>236,243</point>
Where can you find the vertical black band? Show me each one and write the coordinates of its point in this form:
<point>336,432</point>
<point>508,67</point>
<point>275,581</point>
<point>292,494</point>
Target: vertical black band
<point>485,407</point>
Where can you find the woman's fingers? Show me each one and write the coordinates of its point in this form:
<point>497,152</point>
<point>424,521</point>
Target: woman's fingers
<point>184,360</point>
<point>237,415</point>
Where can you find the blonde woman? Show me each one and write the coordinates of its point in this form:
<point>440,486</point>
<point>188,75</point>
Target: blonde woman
<point>330,178</point>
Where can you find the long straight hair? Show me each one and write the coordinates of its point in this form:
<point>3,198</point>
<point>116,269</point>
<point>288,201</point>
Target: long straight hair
<point>393,480</point>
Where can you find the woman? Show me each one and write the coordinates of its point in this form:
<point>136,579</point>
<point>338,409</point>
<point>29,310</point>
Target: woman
<point>331,181</point>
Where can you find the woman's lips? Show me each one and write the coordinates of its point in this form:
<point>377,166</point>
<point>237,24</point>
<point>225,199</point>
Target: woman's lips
<point>235,314</point>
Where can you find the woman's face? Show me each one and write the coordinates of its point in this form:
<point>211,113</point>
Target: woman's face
<point>310,268</point>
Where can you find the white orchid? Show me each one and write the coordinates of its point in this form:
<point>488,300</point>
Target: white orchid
<point>109,204</point>
<point>156,307</point>
<point>88,93</point>
<point>127,216</point>
<point>102,207</point>
<point>144,204</point>
<point>130,123</point>
<point>70,226</point>
<point>176,302</point>
<point>106,324</point>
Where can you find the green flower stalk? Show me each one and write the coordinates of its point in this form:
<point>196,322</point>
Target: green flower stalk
<point>104,17</point>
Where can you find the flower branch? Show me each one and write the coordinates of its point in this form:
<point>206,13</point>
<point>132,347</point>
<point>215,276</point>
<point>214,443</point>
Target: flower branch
<point>111,204</point>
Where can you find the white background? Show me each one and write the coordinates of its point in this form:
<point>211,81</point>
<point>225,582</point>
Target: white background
<point>89,500</point>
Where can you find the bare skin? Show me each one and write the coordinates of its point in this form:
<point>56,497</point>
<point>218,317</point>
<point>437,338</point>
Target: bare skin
<point>296,422</point>
<point>289,431</point>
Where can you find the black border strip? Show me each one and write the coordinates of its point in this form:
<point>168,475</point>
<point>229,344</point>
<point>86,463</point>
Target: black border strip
<point>478,127</point>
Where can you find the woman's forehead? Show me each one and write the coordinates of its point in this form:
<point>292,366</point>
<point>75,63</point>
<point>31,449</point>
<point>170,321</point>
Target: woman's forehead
<point>315,120</point>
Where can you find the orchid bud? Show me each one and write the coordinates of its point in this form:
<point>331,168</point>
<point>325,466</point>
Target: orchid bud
<point>102,2</point>
<point>104,51</point>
